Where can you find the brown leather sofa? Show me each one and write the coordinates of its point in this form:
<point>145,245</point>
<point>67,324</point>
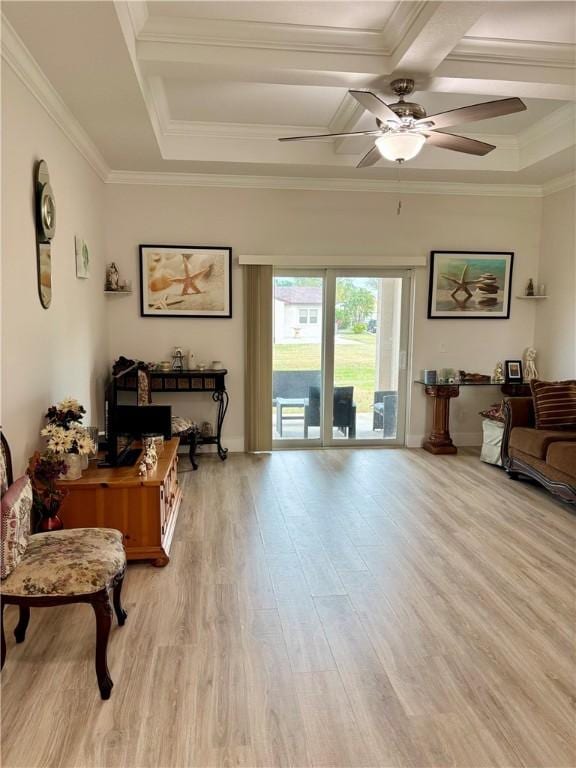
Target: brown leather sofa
<point>544,455</point>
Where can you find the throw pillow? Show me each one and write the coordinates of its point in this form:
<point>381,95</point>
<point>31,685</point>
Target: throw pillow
<point>14,524</point>
<point>494,412</point>
<point>3,471</point>
<point>554,404</point>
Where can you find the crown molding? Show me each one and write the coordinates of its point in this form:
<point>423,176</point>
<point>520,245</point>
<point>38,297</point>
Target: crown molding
<point>159,178</point>
<point>19,58</point>
<point>267,35</point>
<point>503,51</point>
<point>559,184</point>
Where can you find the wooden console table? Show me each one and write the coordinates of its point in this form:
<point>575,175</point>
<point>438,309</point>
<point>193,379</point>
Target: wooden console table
<point>144,509</point>
<point>439,440</point>
<point>208,380</point>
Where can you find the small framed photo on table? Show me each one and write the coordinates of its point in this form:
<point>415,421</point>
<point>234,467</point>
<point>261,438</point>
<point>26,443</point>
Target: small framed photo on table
<point>513,371</point>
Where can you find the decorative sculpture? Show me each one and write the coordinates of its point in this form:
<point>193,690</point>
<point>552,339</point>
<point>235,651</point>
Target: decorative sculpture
<point>499,377</point>
<point>530,371</point>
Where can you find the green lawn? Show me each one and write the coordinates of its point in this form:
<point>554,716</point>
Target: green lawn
<point>354,364</point>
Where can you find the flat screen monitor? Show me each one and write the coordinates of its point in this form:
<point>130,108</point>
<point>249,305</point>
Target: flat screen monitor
<point>138,420</point>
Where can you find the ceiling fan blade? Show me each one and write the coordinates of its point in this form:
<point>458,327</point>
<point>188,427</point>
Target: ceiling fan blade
<point>330,135</point>
<point>374,104</point>
<point>458,143</point>
<point>370,158</point>
<point>483,111</point>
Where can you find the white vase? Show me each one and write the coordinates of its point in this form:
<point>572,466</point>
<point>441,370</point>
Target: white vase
<point>84,461</point>
<point>74,466</point>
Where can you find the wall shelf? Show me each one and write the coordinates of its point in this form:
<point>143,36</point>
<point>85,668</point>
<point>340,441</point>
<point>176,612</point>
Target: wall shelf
<point>118,293</point>
<point>532,297</point>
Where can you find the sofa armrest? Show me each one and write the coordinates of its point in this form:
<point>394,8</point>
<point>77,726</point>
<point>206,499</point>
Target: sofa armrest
<point>518,412</point>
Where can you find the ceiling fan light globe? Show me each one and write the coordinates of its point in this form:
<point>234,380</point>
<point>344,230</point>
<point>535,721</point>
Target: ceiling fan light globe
<point>400,146</point>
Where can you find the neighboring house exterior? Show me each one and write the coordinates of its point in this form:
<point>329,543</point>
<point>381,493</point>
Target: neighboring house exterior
<point>297,312</point>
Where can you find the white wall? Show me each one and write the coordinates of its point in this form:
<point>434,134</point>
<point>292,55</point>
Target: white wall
<point>555,339</point>
<point>47,354</point>
<point>340,223</point>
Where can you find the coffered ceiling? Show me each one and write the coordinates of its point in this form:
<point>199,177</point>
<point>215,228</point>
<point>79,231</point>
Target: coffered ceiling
<point>209,86</point>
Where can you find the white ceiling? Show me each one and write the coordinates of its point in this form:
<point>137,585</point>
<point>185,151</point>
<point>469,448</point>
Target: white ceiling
<point>208,87</point>
<point>551,22</point>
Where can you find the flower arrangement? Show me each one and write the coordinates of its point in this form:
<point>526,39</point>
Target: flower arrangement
<point>64,433</point>
<point>43,470</point>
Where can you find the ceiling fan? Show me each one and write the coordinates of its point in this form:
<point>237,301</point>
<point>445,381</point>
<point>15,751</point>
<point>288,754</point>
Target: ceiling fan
<point>404,127</point>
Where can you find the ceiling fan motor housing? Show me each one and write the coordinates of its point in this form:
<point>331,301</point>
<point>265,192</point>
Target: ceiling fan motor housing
<point>402,87</point>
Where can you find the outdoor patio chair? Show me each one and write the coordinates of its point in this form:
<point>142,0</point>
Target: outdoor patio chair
<point>344,410</point>
<point>384,415</point>
<point>290,390</point>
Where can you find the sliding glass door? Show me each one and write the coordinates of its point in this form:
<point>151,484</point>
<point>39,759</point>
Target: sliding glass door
<point>340,349</point>
<point>298,356</point>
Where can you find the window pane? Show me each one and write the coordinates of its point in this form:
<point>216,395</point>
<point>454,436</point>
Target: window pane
<point>313,315</point>
<point>297,355</point>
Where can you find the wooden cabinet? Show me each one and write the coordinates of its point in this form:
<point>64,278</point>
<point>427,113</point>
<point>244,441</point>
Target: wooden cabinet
<point>145,509</point>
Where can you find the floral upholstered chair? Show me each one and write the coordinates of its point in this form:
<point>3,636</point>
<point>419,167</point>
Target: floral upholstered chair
<point>81,565</point>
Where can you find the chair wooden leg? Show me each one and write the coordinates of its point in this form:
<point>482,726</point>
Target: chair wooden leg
<point>193,447</point>
<point>103,612</point>
<point>22,626</point>
<point>117,593</point>
<point>3,659</point>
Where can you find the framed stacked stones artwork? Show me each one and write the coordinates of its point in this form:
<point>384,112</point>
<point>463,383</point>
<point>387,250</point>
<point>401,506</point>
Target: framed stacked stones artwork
<point>470,284</point>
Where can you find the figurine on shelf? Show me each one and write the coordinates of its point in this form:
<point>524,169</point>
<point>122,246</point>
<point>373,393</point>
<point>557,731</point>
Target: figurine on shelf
<point>530,371</point>
<point>177,359</point>
<point>530,288</point>
<point>498,376</point>
<point>112,277</point>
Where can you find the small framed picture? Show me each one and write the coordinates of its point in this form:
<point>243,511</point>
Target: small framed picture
<point>513,371</point>
<point>82,258</point>
<point>185,281</point>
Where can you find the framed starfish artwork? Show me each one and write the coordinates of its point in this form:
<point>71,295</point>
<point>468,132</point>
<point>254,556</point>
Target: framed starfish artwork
<point>470,284</point>
<point>185,281</point>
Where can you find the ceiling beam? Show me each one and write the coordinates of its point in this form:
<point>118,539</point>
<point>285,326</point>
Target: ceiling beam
<point>505,79</point>
<point>436,31</point>
<point>246,63</point>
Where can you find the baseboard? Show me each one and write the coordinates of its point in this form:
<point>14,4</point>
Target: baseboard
<point>462,439</point>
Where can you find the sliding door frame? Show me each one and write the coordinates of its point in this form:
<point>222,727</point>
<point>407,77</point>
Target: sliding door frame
<point>329,275</point>
<point>286,443</point>
<point>328,439</point>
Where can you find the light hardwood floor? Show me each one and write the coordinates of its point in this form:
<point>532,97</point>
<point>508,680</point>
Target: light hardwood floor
<point>329,608</point>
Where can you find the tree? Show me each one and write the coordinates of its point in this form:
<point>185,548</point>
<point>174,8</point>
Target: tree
<point>354,303</point>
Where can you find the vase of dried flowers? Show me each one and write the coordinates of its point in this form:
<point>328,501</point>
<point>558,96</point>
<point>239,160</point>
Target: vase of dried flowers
<point>44,469</point>
<point>73,462</point>
<point>67,438</point>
